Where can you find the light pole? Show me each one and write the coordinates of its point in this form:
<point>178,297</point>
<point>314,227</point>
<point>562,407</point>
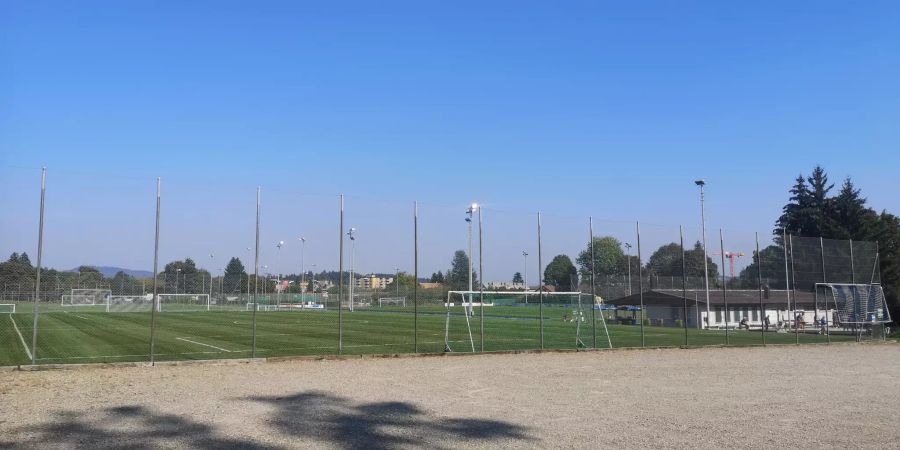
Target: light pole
<point>278,288</point>
<point>177,271</point>
<point>628,263</point>
<point>302,272</point>
<point>210,275</point>
<point>701,184</point>
<point>469,212</point>
<point>248,276</point>
<point>525,274</point>
<point>352,247</point>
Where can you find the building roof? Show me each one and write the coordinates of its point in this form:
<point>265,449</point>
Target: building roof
<point>738,297</point>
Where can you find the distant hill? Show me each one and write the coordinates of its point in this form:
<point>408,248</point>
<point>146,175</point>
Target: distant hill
<point>110,272</point>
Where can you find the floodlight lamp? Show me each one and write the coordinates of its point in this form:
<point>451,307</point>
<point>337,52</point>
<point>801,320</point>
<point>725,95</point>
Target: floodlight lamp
<point>700,182</point>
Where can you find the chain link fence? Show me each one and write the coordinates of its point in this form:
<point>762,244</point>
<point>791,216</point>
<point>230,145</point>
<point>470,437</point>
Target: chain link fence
<point>290,273</point>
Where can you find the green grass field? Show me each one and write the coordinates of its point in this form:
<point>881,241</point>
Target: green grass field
<point>91,335</point>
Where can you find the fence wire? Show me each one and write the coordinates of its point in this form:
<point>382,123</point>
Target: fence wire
<point>352,274</point>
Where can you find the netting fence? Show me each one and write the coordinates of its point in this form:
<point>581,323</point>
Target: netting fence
<point>242,272</point>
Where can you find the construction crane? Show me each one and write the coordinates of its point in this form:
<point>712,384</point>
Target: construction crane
<point>731,257</point>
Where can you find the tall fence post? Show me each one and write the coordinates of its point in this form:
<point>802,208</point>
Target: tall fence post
<point>640,281</point>
<point>724,283</point>
<point>684,284</point>
<point>481,273</point>
<point>593,286</point>
<point>256,277</point>
<point>827,329</point>
<point>415,277</point>
<point>154,305</point>
<point>37,284</point>
<point>794,290</point>
<point>759,286</point>
<point>341,281</point>
<point>540,282</point>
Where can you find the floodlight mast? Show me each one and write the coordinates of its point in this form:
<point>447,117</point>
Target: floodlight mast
<point>302,273</point>
<point>525,274</point>
<point>628,263</point>
<point>352,247</point>
<point>470,211</point>
<point>278,273</point>
<point>702,183</point>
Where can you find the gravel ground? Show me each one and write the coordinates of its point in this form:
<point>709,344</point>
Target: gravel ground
<point>808,396</point>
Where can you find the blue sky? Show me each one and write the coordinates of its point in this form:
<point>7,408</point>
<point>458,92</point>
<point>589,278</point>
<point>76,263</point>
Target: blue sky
<point>608,109</point>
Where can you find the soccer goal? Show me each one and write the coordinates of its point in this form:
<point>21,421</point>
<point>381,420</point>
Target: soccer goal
<point>391,301</point>
<point>128,303</point>
<point>86,297</point>
<point>182,302</point>
<point>856,304</point>
<point>7,308</point>
<point>574,307</point>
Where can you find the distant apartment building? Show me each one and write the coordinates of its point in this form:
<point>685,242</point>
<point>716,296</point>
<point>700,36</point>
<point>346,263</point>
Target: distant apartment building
<point>372,281</point>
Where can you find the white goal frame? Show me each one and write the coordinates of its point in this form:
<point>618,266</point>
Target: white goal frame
<point>160,297</point>
<point>8,304</point>
<point>870,305</point>
<point>401,301</point>
<point>92,294</point>
<point>468,308</point>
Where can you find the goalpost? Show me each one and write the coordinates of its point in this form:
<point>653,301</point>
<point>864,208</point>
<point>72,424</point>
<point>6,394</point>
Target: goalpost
<point>856,305</point>
<point>468,300</point>
<point>86,297</point>
<point>391,301</point>
<point>7,308</point>
<point>182,302</point>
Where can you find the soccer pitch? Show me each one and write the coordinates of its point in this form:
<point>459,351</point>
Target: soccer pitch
<point>91,335</point>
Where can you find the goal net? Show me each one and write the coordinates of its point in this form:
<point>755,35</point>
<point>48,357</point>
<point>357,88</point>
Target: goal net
<point>391,301</point>
<point>856,304</point>
<point>7,308</point>
<point>128,303</point>
<point>182,302</point>
<point>86,297</point>
<point>516,306</point>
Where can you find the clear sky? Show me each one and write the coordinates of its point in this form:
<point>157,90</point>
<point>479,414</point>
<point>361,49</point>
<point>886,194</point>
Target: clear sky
<point>609,109</point>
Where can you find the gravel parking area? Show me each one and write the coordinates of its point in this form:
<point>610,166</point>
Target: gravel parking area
<point>842,395</point>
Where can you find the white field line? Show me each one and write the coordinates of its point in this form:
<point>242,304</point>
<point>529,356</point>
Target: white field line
<point>205,345</point>
<point>21,339</point>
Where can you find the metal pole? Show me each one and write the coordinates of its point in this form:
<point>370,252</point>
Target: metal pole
<point>255,276</point>
<point>794,289</point>
<point>593,285</point>
<point>706,254</point>
<point>824,280</point>
<point>852,264</point>
<point>341,281</point>
<point>724,282</point>
<point>525,275</point>
<point>628,263</point>
<point>470,211</point>
<point>37,284</point>
<point>416,277</point>
<point>481,274</point>
<point>684,283</point>
<point>640,281</point>
<point>155,305</point>
<point>762,308</point>
<point>302,268</point>
<point>540,283</point>
<point>787,274</point>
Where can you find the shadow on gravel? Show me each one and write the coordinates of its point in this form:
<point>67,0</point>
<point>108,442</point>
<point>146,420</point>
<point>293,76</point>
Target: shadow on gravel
<point>310,416</point>
<point>338,421</point>
<point>131,427</point>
